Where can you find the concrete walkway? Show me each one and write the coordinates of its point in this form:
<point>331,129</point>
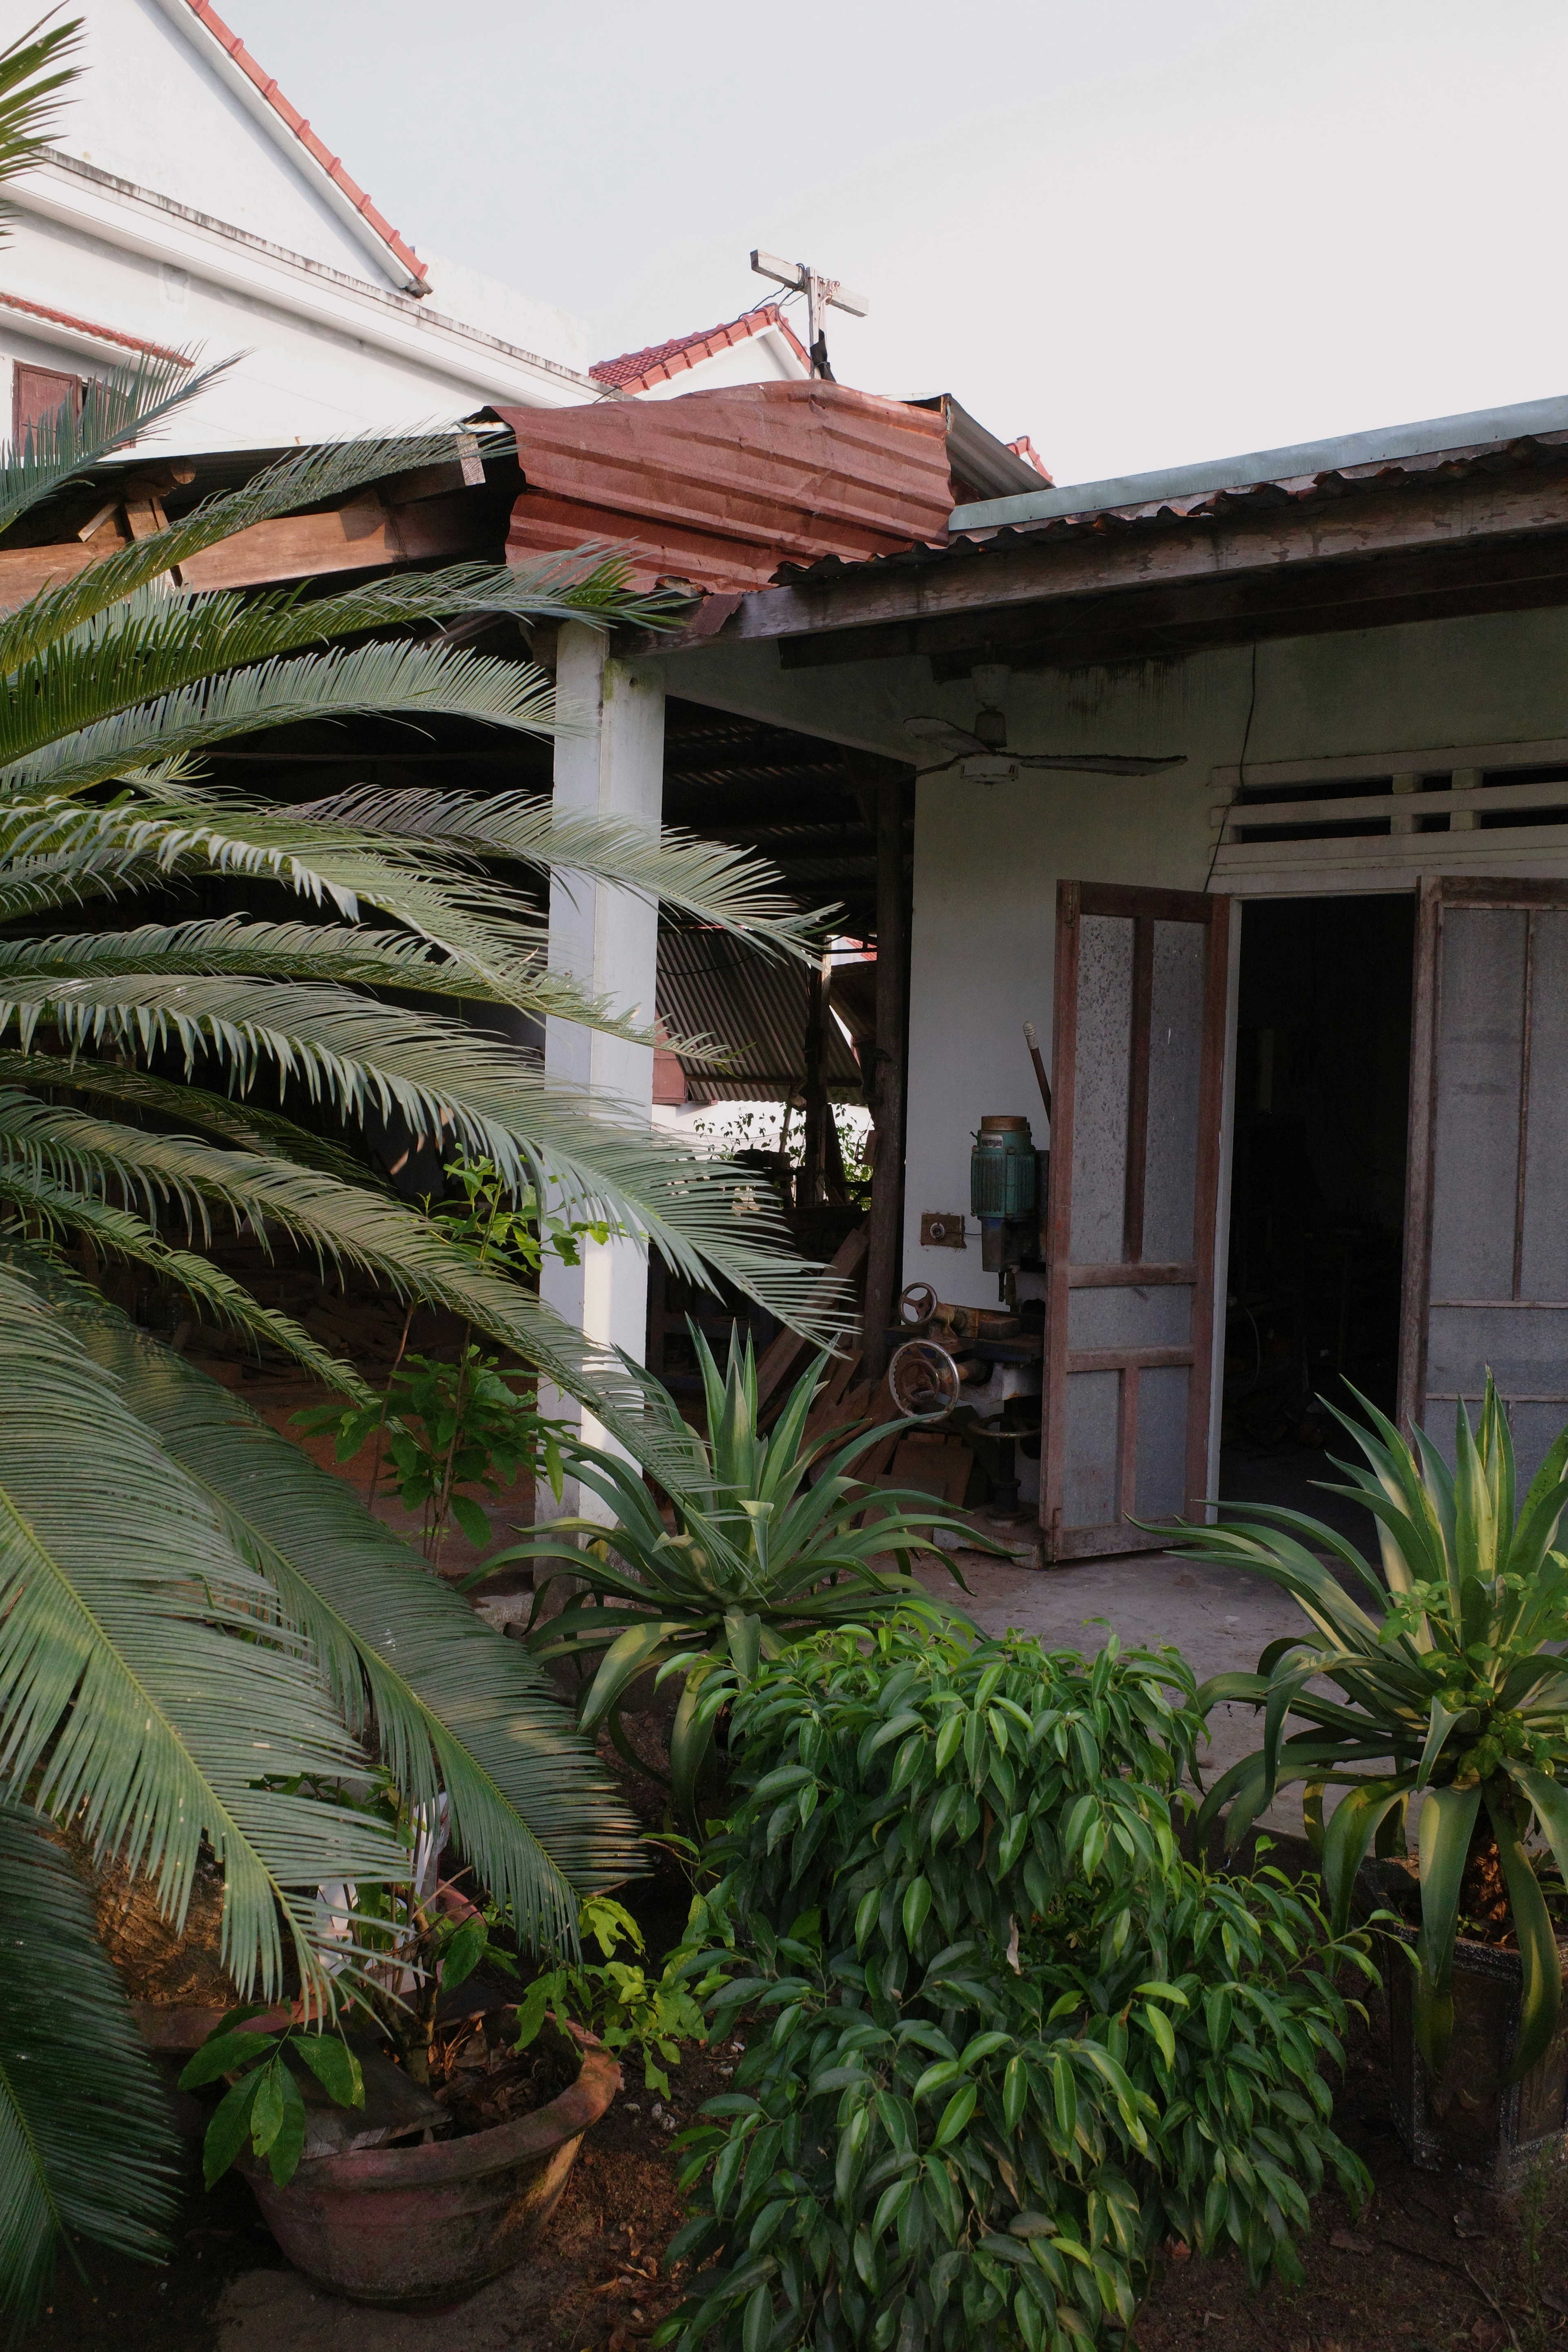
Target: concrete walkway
<point>1220,1618</point>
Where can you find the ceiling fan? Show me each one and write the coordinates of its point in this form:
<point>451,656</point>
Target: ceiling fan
<point>984,750</point>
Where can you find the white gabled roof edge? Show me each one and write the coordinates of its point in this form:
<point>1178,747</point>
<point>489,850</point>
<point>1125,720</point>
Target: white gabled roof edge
<point>259,104</point>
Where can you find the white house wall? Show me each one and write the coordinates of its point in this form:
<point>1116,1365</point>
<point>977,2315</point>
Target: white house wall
<point>988,859</point>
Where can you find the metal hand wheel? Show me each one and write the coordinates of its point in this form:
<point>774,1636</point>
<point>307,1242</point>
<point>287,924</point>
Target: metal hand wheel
<point>923,1381</point>
<point>917,1306</point>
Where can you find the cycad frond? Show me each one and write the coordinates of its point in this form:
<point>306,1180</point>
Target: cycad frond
<point>313,476</point>
<point>86,2144</point>
<point>59,1209</point>
<point>432,681</point>
<point>122,1685</point>
<point>708,881</point>
<point>119,406</point>
<point>35,72</point>
<point>246,1126</point>
<point>344,1224</point>
<point>452,1703</point>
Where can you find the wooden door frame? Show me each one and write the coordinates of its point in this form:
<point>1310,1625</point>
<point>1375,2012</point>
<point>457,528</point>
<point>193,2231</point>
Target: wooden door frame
<point>1145,908</point>
<point>1436,894</point>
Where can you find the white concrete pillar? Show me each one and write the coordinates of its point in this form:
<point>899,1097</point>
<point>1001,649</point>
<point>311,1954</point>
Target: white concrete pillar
<point>610,762</point>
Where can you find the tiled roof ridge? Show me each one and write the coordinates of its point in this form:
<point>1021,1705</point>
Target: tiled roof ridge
<point>208,17</point>
<point>102,334</point>
<point>636,371</point>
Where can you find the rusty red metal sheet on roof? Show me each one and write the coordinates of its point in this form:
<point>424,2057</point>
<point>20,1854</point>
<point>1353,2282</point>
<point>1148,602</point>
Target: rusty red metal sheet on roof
<point>721,487</point>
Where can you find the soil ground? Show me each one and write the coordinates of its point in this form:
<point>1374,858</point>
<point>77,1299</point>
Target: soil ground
<point>1430,2266</point>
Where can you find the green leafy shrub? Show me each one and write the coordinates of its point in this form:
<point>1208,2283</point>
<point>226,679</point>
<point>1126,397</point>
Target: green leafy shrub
<point>1004,2040</point>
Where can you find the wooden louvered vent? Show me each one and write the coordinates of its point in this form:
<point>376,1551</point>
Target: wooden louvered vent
<point>1378,823</point>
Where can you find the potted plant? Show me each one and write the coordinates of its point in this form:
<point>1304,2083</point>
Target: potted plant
<point>1447,1687</point>
<point>413,2173</point>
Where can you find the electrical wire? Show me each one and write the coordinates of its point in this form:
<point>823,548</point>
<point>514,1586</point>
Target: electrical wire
<point>1240,765</point>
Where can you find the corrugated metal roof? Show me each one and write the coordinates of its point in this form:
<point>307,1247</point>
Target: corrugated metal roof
<point>713,985</point>
<point>1170,509</point>
<point>1301,462</point>
<point>718,487</point>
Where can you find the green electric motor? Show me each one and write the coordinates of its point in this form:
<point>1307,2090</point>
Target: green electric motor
<point>1002,1189</point>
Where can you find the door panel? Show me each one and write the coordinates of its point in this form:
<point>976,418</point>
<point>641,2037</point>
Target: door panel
<point>1486,1273</point>
<point>1137,1066</point>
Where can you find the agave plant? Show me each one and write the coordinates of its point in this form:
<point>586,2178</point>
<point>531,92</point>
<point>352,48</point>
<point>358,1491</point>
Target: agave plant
<point>192,1617</point>
<point>774,1537</point>
<point>1449,1689</point>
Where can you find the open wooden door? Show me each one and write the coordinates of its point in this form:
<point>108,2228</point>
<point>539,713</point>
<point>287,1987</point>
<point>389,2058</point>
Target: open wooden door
<point>1137,1075</point>
<point>1486,1229</point>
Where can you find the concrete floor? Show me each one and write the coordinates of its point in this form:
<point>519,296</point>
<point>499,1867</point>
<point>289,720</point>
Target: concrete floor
<point>1219,1618</point>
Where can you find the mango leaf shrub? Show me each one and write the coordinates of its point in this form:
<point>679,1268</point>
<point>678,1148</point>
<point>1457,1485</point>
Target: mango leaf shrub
<point>1002,2042</point>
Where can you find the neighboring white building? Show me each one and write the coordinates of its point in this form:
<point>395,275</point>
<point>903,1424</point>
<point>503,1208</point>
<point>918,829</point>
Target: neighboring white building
<point>187,204</point>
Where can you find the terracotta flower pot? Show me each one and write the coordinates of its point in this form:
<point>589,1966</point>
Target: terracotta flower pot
<point>1470,2122</point>
<point>431,2224</point>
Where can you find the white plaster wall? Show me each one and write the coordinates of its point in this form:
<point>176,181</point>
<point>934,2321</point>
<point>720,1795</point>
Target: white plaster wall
<point>987,860</point>
<point>296,380</point>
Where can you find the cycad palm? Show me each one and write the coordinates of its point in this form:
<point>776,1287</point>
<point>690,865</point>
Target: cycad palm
<point>190,1613</point>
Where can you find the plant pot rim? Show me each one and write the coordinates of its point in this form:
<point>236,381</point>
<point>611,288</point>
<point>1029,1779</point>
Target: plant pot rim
<point>539,2134</point>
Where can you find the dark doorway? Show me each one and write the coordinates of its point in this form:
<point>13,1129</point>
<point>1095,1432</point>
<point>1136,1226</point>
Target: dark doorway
<point>1323,1086</point>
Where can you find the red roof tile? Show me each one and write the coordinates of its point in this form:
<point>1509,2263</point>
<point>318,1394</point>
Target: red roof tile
<point>315,148</point>
<point>101,335</point>
<point>661,363</point>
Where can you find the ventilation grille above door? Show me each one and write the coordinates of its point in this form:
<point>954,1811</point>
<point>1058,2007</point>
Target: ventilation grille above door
<point>1380,822</point>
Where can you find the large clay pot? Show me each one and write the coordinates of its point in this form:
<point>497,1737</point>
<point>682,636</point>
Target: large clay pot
<point>1470,2123</point>
<point>431,2224</point>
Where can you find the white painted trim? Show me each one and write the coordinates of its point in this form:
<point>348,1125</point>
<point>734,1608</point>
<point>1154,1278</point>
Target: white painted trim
<point>79,340</point>
<point>1222,1201</point>
<point>80,197</point>
<point>240,85</point>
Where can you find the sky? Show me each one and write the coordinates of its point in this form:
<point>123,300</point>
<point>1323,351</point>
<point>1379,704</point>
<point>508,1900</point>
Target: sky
<point>1144,232</point>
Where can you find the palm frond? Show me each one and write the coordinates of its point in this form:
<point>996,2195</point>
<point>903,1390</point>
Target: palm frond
<point>346,1225</point>
<point>430,680</point>
<point>85,2145</point>
<point>318,476</point>
<point>443,1076</point>
<point>120,406</point>
<point>246,1126</point>
<point>452,1705</point>
<point>122,1685</point>
<point>36,70</point>
<point>118,1232</point>
<point>710,882</point>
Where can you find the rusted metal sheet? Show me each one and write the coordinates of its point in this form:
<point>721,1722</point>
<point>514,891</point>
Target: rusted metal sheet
<point>712,985</point>
<point>721,487</point>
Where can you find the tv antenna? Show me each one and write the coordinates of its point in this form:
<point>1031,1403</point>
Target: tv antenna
<point>822,295</point>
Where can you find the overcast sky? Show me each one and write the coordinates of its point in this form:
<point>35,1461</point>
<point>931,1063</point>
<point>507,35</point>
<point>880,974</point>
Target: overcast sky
<point>1140,231</point>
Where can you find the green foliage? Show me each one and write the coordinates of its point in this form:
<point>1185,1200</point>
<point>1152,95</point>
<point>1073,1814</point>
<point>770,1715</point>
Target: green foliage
<point>263,2103</point>
<point>1002,2042</point>
<point>448,1426</point>
<point>647,2017</point>
<point>774,1537</point>
<point>1448,1664</point>
<point>85,2145</point>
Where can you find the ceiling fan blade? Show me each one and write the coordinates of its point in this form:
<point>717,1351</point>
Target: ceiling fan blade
<point>1098,763</point>
<point>944,734</point>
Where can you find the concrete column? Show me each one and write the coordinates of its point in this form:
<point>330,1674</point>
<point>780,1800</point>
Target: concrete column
<point>610,762</point>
